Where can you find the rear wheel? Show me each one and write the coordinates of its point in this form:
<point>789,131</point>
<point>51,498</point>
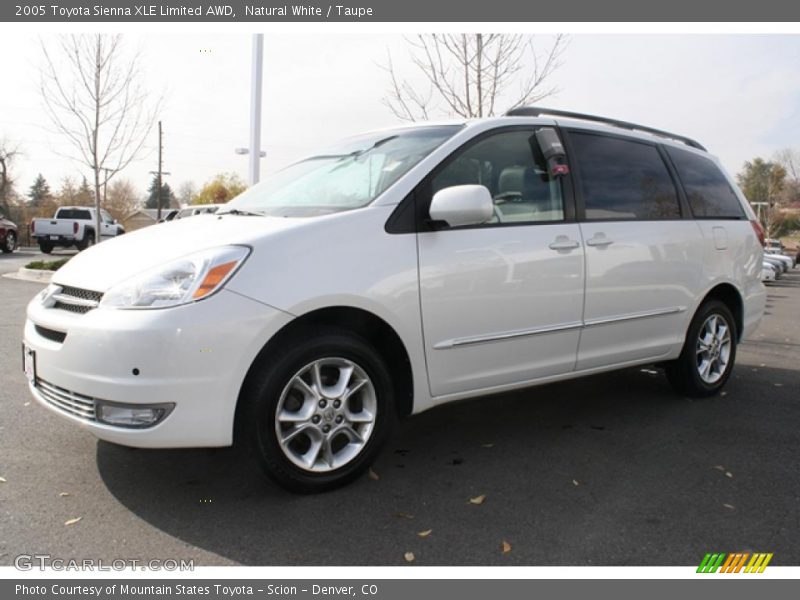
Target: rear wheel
<point>45,247</point>
<point>708,353</point>
<point>319,413</point>
<point>10,243</point>
<point>87,241</point>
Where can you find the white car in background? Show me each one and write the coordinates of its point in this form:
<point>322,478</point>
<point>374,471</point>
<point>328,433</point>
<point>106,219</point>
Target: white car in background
<point>401,270</point>
<point>197,209</point>
<point>769,272</point>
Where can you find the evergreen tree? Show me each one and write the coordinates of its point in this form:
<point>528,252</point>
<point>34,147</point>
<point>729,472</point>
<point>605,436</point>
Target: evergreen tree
<point>167,195</point>
<point>39,192</point>
<point>85,196</point>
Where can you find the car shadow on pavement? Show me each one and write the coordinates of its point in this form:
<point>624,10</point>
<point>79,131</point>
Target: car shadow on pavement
<point>613,469</point>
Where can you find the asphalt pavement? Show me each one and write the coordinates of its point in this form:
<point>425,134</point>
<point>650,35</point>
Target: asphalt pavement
<point>613,469</point>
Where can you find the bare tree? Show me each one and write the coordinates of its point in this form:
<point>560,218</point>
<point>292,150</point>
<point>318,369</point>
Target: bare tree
<point>8,152</point>
<point>789,159</point>
<point>93,93</point>
<point>473,75</point>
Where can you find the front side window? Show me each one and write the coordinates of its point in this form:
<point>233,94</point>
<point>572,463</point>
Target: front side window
<point>707,189</point>
<point>347,176</point>
<point>513,169</point>
<point>623,179</point>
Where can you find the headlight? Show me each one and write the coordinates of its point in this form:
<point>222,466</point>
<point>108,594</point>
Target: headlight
<point>181,281</point>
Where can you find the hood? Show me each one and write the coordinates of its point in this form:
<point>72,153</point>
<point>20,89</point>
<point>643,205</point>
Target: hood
<point>113,261</point>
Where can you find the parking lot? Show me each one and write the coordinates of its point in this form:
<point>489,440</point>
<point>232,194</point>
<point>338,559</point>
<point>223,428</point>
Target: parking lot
<point>613,469</point>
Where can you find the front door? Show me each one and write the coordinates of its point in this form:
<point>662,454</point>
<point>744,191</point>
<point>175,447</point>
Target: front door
<point>501,302</point>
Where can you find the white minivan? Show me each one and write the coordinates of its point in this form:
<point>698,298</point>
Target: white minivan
<point>397,271</point>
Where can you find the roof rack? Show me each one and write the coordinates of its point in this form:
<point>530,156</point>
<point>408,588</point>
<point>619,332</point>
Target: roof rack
<point>537,111</point>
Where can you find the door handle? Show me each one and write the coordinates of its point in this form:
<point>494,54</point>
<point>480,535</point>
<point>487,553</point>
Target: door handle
<point>562,242</point>
<point>599,240</point>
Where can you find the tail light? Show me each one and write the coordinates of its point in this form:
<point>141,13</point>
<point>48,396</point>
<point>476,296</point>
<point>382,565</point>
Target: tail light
<point>75,227</point>
<point>759,231</point>
<point>33,226</point>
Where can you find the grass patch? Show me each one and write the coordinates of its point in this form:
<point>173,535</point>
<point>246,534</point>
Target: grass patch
<point>46,265</point>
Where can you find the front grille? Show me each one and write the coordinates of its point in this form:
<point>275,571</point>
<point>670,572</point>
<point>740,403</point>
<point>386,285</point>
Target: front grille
<point>71,403</point>
<point>76,300</point>
<point>51,334</point>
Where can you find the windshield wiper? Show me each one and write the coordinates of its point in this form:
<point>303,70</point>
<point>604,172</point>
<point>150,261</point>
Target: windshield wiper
<point>243,213</point>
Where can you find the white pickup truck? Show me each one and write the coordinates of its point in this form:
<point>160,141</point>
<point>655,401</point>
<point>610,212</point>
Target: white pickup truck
<point>73,226</point>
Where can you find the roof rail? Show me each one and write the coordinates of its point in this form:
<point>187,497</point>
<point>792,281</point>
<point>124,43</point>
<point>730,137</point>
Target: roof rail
<point>537,111</point>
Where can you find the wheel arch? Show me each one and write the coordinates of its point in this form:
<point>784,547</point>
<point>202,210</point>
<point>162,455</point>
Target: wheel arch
<point>366,324</point>
<point>730,296</point>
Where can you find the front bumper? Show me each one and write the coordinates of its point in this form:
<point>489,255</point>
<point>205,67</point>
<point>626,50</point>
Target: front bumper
<point>195,356</point>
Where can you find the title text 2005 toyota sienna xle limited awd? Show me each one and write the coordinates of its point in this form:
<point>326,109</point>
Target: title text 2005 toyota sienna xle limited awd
<point>397,271</point>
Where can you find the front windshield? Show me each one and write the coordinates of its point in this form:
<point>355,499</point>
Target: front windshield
<point>350,175</point>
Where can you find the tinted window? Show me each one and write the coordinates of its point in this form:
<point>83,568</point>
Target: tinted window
<point>74,213</point>
<point>622,179</point>
<point>708,191</point>
<point>511,166</point>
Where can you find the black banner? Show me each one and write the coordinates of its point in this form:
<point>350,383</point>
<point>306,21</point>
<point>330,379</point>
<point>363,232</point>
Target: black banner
<point>123,11</point>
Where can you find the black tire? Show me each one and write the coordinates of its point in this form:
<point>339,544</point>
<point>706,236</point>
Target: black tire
<point>10,243</point>
<point>683,373</point>
<point>45,247</point>
<point>262,395</point>
<point>87,241</point>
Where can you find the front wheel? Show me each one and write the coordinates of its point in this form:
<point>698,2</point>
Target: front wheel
<point>708,353</point>
<point>10,243</point>
<point>320,412</point>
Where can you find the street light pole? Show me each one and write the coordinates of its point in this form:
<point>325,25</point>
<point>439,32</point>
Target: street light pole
<point>255,108</point>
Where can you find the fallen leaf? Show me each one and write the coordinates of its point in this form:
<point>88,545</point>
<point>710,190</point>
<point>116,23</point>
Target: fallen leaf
<point>27,404</point>
<point>72,521</point>
<point>723,393</point>
<point>719,467</point>
<point>3,480</point>
<point>778,385</point>
<point>487,445</point>
<point>478,499</point>
<point>64,494</point>
<point>403,515</point>
<point>728,474</point>
<point>373,475</point>
<point>575,482</point>
<point>409,556</point>
<point>729,506</point>
<point>426,533</point>
<point>506,547</point>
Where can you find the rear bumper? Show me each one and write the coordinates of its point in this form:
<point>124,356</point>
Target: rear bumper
<point>195,356</point>
<point>55,240</point>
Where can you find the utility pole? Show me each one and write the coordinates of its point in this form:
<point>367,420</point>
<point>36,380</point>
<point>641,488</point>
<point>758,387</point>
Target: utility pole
<point>255,108</point>
<point>160,171</point>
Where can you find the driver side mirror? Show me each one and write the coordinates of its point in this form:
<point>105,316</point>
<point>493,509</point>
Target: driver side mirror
<point>462,205</point>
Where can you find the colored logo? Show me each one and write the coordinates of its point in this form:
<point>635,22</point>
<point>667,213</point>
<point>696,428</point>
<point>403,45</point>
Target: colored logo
<point>735,562</point>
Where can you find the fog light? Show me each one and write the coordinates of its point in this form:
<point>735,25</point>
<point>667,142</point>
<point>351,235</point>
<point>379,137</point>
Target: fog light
<point>136,416</point>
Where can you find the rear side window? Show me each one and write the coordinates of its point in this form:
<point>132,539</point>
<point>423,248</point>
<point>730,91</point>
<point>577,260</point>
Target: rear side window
<point>707,189</point>
<point>74,213</point>
<point>622,179</point>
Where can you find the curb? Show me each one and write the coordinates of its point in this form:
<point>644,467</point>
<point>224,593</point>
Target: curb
<point>36,275</point>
